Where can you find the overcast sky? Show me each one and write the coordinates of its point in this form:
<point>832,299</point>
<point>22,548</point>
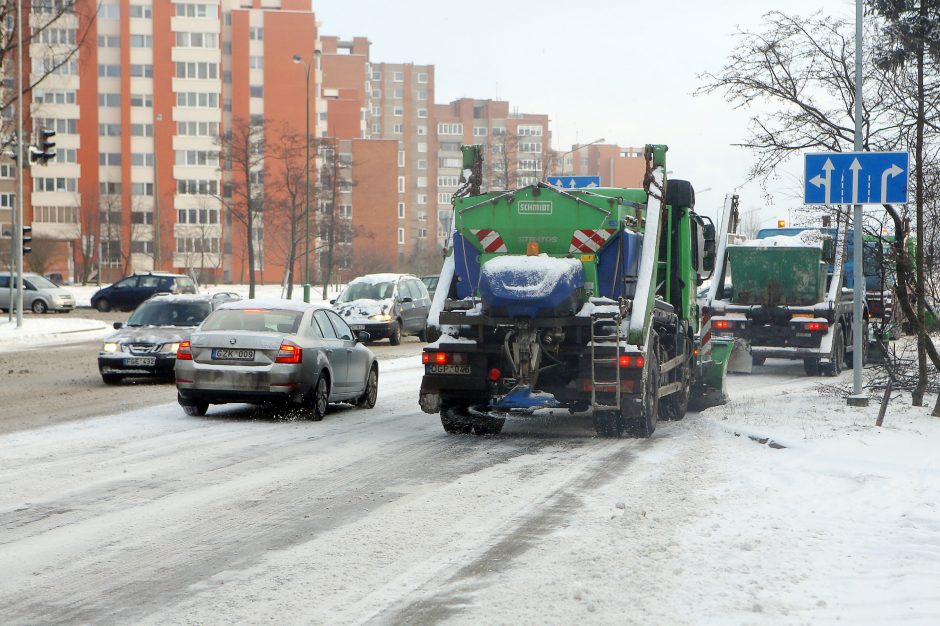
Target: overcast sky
<point>623,70</point>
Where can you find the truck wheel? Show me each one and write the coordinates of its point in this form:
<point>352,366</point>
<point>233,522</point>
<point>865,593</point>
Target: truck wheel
<point>850,356</point>
<point>487,425</point>
<point>679,193</point>
<point>609,423</point>
<point>455,418</point>
<point>395,338</point>
<point>675,406</point>
<point>644,424</point>
<point>811,366</point>
<point>837,356</point>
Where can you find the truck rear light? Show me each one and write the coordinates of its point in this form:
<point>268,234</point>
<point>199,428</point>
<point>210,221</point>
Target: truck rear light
<point>444,358</point>
<point>721,324</point>
<point>632,360</point>
<point>817,326</point>
<point>183,353</point>
<point>289,353</point>
<point>495,374</point>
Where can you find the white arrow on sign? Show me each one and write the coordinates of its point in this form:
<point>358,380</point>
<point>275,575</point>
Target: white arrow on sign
<point>571,183</point>
<point>819,181</point>
<point>892,171</point>
<point>855,167</point>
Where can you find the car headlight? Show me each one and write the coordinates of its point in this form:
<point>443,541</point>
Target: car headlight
<point>111,346</point>
<point>382,317</point>
<point>170,347</point>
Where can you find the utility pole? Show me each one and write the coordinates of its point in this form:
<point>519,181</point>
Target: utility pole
<point>18,211</point>
<point>858,398</point>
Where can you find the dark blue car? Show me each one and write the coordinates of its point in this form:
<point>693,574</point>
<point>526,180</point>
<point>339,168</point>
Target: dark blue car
<point>129,292</point>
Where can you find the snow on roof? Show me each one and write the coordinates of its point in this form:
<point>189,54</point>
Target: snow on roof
<point>805,239</point>
<point>373,279</point>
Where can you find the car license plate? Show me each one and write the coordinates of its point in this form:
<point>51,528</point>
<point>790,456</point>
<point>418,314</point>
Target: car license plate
<point>448,369</point>
<point>229,354</point>
<point>358,326</point>
<point>138,361</point>
<point>804,334</point>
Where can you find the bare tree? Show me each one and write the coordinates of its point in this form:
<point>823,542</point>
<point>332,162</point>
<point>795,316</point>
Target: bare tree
<point>243,152</point>
<point>288,205</point>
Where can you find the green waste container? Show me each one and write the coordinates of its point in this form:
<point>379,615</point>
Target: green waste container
<point>777,275</point>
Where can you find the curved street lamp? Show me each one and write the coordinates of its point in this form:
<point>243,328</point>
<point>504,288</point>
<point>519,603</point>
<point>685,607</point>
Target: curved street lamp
<point>584,145</point>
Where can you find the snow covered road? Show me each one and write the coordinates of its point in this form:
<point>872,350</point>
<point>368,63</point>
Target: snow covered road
<point>244,516</point>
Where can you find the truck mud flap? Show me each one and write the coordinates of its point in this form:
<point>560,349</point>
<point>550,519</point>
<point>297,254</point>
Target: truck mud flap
<point>710,389</point>
<point>740,361</point>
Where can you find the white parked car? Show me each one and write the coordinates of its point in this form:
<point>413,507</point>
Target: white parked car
<point>39,294</point>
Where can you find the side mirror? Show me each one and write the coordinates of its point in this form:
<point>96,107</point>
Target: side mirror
<point>118,325</point>
<point>406,299</point>
<point>362,336</point>
<point>708,247</point>
<point>333,301</point>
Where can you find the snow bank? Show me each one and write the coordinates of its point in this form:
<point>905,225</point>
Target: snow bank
<point>805,239</point>
<point>46,331</point>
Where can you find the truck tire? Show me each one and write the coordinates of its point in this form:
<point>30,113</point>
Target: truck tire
<point>675,405</point>
<point>837,356</point>
<point>455,418</point>
<point>811,366</point>
<point>679,193</point>
<point>643,424</point>
<point>850,356</point>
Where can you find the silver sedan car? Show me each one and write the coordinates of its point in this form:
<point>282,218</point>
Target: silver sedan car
<point>275,351</point>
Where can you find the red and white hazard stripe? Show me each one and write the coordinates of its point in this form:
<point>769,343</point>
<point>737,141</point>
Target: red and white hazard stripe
<point>489,239</point>
<point>587,241</point>
<point>706,332</point>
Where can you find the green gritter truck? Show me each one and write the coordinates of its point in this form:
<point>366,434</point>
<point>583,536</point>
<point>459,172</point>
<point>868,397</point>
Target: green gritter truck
<point>577,299</point>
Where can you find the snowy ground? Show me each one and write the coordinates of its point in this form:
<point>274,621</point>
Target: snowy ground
<point>49,330</point>
<point>783,507</point>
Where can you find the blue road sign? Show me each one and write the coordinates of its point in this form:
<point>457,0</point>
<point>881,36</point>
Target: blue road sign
<point>574,182</point>
<point>855,177</point>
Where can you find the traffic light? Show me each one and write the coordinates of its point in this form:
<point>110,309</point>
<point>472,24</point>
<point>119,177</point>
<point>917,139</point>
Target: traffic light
<point>46,148</point>
<point>27,239</point>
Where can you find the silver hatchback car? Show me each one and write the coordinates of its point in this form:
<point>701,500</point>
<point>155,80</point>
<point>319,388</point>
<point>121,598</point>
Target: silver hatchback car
<point>275,351</point>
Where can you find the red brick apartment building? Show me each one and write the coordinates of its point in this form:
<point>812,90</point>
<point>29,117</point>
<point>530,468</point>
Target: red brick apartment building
<point>157,88</point>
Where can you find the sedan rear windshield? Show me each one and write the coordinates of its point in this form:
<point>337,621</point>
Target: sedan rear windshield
<point>258,320</point>
<point>170,314</point>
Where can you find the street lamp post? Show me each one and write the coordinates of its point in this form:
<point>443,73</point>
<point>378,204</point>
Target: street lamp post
<point>584,145</point>
<point>307,66</point>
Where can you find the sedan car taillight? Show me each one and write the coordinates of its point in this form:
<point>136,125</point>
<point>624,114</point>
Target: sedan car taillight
<point>183,353</point>
<point>289,353</point>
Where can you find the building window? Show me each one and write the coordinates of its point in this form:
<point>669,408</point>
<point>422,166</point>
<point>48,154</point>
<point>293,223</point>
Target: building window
<point>197,157</point>
<point>398,76</point>
<point>141,70</point>
<point>401,235</point>
<point>345,211</point>
<point>443,198</point>
<point>376,93</point>
<point>191,9</point>
<point>142,159</point>
<point>109,99</point>
<point>401,184</point>
<point>529,131</point>
<point>142,100</point>
<point>54,96</point>
<point>256,33</point>
<point>197,216</point>
<point>7,171</point>
<point>142,11</point>
<point>376,75</point>
<point>141,217</point>
<point>109,130</point>
<point>109,158</point>
<point>141,41</point>
<point>109,71</point>
<point>421,130</point>
<point>422,164</point>
<point>256,62</point>
<point>376,129</point>
<point>422,113</point>
<point>398,111</point>
<point>141,130</point>
<point>448,181</point>
<point>422,77</point>
<point>199,70</point>
<point>109,41</point>
<point>55,184</point>
<point>531,147</point>
<point>197,99</point>
<point>397,129</point>
<point>197,187</point>
<point>256,91</point>
<point>105,11</point>
<point>422,146</point>
<point>479,131</point>
<point>401,158</point>
<point>399,93</point>
<point>422,181</point>
<point>198,129</point>
<point>141,189</point>
<point>142,247</point>
<point>450,162</point>
<point>449,128</point>
<point>186,39</point>
<point>401,210</point>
